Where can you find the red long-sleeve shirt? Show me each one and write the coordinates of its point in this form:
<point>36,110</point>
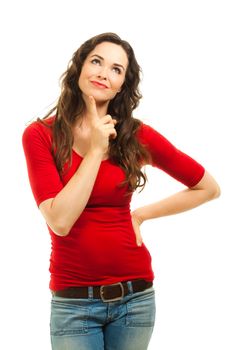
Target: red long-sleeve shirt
<point>101,246</point>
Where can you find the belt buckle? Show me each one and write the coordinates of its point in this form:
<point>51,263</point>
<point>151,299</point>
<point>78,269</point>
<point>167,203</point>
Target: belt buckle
<point>111,285</point>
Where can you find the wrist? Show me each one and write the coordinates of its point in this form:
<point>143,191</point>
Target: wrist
<point>137,215</point>
<point>97,153</point>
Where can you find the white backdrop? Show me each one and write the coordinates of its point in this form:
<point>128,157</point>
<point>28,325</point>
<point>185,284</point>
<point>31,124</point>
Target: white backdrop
<point>185,50</point>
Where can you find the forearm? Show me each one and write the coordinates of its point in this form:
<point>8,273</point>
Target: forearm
<point>69,203</point>
<point>205,190</point>
<point>177,203</point>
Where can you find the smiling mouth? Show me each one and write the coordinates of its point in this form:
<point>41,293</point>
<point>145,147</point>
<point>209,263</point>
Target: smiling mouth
<point>96,83</point>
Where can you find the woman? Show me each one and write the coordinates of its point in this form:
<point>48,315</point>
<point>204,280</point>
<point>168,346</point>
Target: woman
<point>84,163</point>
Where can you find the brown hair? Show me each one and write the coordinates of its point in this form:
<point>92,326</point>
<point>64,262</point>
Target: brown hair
<point>125,150</point>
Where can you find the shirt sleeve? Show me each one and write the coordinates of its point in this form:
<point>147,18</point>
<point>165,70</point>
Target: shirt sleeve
<point>43,175</point>
<point>165,156</point>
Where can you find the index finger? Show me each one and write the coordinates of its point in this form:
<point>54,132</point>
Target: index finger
<point>91,106</point>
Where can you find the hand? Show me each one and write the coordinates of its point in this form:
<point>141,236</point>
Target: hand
<point>102,129</point>
<point>136,222</point>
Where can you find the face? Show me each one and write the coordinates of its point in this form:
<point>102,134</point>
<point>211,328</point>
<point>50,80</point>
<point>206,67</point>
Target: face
<point>103,72</point>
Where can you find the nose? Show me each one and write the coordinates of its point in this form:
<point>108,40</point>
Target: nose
<point>102,73</point>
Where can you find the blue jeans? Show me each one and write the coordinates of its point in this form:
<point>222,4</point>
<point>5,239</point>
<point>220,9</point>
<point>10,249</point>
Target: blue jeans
<point>91,324</point>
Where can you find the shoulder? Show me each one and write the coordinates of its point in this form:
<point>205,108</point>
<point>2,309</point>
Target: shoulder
<point>145,133</point>
<point>39,130</point>
<point>156,143</point>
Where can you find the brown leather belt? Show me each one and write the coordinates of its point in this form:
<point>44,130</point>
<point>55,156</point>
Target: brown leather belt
<point>110,292</point>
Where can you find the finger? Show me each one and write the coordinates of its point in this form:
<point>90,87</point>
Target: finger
<point>107,119</point>
<point>138,237</point>
<point>111,131</point>
<point>91,107</point>
<point>113,122</point>
<point>113,134</point>
<point>137,233</point>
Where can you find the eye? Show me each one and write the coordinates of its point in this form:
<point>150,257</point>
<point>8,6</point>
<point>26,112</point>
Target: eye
<point>117,70</point>
<point>95,61</point>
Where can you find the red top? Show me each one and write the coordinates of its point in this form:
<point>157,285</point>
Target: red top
<point>101,246</point>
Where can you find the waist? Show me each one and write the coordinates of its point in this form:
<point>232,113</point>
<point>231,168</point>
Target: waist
<point>108,293</point>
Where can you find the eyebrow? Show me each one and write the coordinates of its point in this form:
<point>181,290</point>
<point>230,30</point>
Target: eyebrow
<point>115,64</point>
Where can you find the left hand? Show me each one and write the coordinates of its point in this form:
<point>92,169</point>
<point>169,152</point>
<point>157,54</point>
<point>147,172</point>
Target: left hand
<point>136,222</point>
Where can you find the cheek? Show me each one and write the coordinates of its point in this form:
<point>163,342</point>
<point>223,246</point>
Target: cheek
<point>117,82</point>
<point>87,71</point>
<point>84,77</point>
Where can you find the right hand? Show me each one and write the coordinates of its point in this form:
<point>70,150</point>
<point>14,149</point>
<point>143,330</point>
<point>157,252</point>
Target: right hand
<point>102,129</point>
<point>136,222</point>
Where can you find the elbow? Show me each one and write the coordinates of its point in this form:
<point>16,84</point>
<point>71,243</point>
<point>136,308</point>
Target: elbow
<point>60,229</point>
<point>209,186</point>
<point>62,232</point>
<point>214,192</point>
<point>59,222</point>
<point>61,226</point>
<point>217,192</point>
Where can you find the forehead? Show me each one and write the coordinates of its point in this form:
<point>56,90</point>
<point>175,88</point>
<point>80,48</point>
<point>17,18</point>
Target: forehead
<point>111,53</point>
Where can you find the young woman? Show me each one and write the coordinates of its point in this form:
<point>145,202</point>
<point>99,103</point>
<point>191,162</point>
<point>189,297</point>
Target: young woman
<point>84,161</point>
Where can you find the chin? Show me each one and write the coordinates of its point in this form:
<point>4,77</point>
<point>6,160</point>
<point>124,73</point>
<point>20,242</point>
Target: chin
<point>100,101</point>
<point>101,98</point>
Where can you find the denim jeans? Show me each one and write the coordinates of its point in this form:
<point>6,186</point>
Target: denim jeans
<point>91,324</point>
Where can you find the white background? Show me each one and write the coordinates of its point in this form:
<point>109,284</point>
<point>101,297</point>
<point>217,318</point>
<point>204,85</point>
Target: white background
<point>185,50</point>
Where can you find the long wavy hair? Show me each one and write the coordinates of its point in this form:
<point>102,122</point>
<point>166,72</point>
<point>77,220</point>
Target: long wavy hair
<point>124,150</point>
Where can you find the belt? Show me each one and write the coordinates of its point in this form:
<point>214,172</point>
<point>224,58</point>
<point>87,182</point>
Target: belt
<point>109,292</point>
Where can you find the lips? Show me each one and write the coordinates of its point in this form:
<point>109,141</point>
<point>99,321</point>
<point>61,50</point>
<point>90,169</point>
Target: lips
<point>98,84</point>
